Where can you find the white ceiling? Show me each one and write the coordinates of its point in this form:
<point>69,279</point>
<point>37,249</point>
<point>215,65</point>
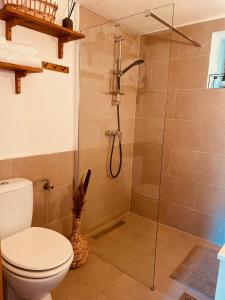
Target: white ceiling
<point>186,11</point>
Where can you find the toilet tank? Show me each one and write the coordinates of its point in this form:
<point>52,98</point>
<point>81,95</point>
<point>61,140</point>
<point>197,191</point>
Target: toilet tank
<point>16,206</point>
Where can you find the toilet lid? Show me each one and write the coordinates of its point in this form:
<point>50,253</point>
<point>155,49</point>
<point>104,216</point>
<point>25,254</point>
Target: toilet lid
<point>36,249</point>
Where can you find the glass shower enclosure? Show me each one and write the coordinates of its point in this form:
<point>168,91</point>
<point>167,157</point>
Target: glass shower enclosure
<point>124,67</point>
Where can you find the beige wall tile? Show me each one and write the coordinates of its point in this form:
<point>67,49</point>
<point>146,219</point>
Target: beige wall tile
<point>192,221</point>
<point>96,105</point>
<point>143,207</point>
<point>207,105</point>
<point>91,65</point>
<point>104,211</point>
<point>60,167</point>
<point>160,76</point>
<point>144,77</point>
<point>5,169</point>
<point>90,132</point>
<point>170,104</point>
<point>40,207</point>
<point>60,203</point>
<point>137,171</point>
<point>140,130</point>
<point>154,131</point>
<point>32,168</point>
<point>202,33</point>
<point>211,199</point>
<point>199,166</point>
<point>128,103</point>
<point>151,177</point>
<point>181,134</point>
<point>166,160</point>
<point>213,137</point>
<point>178,190</point>
<point>151,104</point>
<point>127,127</point>
<point>63,226</point>
<point>156,47</point>
<point>90,159</point>
<point>188,73</point>
<point>57,167</point>
<point>152,157</point>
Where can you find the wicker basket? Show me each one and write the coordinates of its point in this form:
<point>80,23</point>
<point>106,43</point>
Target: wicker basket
<point>42,9</point>
<point>80,245</point>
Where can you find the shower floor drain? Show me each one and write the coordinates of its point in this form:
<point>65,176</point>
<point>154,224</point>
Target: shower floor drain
<point>107,230</point>
<point>186,296</point>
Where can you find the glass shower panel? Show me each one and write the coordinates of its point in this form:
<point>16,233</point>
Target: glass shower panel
<point>122,101</point>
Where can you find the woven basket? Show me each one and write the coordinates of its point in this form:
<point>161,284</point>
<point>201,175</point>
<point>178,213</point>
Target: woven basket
<point>42,9</point>
<point>80,245</point>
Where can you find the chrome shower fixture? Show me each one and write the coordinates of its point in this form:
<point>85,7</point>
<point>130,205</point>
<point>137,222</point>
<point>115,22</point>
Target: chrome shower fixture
<point>135,63</point>
<point>116,93</point>
<point>121,73</point>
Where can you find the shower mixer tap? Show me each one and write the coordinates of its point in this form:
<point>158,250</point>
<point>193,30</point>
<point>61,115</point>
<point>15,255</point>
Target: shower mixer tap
<point>114,133</point>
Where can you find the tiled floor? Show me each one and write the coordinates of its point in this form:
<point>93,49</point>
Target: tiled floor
<point>131,248</point>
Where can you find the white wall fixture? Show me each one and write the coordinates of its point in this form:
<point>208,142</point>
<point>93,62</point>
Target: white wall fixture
<point>220,289</point>
<point>217,61</point>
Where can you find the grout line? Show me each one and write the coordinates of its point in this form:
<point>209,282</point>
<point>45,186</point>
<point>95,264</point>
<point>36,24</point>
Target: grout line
<point>11,167</point>
<point>196,192</point>
<point>201,135</point>
<point>196,210</point>
<point>175,103</point>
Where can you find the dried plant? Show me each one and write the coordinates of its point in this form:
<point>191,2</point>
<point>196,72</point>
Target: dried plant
<point>79,197</point>
<point>71,7</point>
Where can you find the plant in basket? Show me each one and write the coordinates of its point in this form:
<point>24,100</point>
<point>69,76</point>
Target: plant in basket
<point>79,243</point>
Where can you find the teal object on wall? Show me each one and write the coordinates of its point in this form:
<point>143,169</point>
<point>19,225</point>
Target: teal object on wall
<point>217,83</point>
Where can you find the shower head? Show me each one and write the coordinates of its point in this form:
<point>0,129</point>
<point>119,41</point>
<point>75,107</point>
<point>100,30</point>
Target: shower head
<point>135,63</point>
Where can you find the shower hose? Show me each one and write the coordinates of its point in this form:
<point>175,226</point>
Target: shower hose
<point>116,174</point>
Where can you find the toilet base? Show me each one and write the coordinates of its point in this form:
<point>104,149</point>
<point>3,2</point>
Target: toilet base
<point>47,297</point>
<point>9,294</point>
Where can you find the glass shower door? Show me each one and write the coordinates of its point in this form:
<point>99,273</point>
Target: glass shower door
<point>121,214</point>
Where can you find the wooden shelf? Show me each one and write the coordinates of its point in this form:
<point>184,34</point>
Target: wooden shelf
<point>20,72</point>
<point>14,18</point>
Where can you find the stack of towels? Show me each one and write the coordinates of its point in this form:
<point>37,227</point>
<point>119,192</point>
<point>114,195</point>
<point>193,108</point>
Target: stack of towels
<point>19,54</point>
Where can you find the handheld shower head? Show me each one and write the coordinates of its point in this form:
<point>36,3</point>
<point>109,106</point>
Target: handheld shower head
<point>121,73</point>
<point>135,63</point>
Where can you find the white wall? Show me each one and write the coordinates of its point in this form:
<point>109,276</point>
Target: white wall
<point>43,118</point>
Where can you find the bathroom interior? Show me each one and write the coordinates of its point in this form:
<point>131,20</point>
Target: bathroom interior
<point>133,92</point>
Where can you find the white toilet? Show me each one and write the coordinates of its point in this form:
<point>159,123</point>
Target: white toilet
<point>35,260</point>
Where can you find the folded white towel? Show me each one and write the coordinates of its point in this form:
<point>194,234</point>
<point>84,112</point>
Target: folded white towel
<point>20,54</point>
<point>18,47</point>
<point>25,60</point>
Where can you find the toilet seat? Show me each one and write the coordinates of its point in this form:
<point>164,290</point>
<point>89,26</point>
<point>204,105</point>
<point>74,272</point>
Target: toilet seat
<point>36,274</point>
<point>36,253</point>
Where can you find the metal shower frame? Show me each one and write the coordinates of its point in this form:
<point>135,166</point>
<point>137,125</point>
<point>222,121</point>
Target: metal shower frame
<point>149,13</point>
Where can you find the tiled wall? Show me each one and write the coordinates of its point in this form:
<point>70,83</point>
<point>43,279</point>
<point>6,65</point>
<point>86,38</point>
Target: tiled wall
<point>149,125</point>
<point>52,209</point>
<point>107,198</point>
<point>193,179</point>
